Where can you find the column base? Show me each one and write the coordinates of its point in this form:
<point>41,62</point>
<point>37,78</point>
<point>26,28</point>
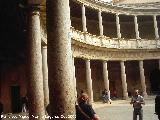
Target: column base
<point>145,94</point>
<point>125,97</point>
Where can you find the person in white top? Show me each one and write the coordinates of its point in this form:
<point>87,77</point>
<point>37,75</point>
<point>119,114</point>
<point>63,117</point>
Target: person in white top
<point>137,101</point>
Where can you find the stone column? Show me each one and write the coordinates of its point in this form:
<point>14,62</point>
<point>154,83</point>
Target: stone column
<point>74,79</point>
<point>136,27</point>
<point>89,80</point>
<point>155,27</point>
<point>84,19</point>
<point>105,77</point>
<point>45,75</point>
<point>35,78</point>
<point>159,64</point>
<point>60,72</point>
<point>124,82</point>
<point>142,77</point>
<point>100,23</point>
<point>118,26</point>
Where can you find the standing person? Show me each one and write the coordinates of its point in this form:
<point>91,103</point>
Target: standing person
<point>84,111</point>
<point>157,106</point>
<point>137,101</point>
<point>24,101</point>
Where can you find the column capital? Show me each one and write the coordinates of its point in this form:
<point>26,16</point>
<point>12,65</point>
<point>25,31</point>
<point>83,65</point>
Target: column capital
<point>117,14</point>
<point>100,11</point>
<point>44,47</point>
<point>104,61</point>
<point>34,9</point>
<point>34,2</point>
<point>82,5</point>
<point>155,15</point>
<point>87,60</point>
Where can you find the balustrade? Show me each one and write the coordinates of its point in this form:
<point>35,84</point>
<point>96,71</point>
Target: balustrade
<point>103,41</point>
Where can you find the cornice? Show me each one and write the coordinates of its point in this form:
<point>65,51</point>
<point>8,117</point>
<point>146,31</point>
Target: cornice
<point>121,9</point>
<point>88,52</point>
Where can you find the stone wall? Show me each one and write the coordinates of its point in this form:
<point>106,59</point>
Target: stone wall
<point>15,76</point>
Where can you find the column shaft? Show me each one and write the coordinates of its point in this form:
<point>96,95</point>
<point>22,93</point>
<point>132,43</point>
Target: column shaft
<point>155,27</point>
<point>105,77</point>
<point>124,82</point>
<point>136,27</point>
<point>84,25</point>
<point>89,80</point>
<point>74,79</point>
<point>60,72</point>
<point>118,26</point>
<point>159,64</point>
<point>100,23</point>
<point>35,78</point>
<point>45,75</point>
<point>142,77</point>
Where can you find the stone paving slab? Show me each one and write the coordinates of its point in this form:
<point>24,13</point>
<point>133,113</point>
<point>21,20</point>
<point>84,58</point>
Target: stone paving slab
<point>118,110</point>
<point>122,110</point>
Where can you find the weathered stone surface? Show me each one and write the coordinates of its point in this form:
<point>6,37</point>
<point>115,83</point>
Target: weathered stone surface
<point>61,90</point>
<point>45,75</point>
<point>35,79</point>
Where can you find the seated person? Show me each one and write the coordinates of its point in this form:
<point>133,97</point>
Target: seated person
<point>84,111</point>
<point>105,96</point>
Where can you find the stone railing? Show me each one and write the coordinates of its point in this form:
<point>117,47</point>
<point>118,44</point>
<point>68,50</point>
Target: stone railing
<point>106,42</point>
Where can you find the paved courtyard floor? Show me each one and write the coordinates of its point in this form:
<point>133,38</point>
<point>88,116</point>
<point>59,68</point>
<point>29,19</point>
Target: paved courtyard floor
<point>122,110</point>
<point>118,110</point>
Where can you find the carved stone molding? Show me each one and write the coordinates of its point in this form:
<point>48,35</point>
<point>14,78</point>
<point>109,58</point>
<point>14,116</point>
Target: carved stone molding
<point>121,9</point>
<point>89,52</point>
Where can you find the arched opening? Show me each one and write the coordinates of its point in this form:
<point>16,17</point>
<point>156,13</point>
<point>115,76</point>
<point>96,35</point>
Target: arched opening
<point>155,80</point>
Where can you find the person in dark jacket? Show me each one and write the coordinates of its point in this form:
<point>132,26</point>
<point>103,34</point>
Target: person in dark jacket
<point>84,111</point>
<point>157,106</point>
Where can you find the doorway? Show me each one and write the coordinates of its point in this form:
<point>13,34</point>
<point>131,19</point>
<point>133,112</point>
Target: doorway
<point>15,99</point>
<point>155,80</point>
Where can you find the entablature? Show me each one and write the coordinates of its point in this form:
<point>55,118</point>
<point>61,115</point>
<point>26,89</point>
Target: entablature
<point>121,9</point>
<point>96,53</point>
